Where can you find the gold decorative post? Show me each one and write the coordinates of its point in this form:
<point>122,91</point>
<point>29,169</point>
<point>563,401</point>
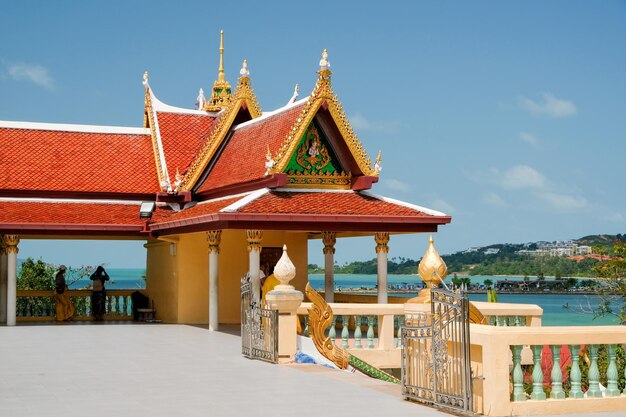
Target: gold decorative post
<point>382,238</point>
<point>214,237</point>
<point>432,270</point>
<point>3,280</point>
<point>221,93</point>
<point>329,239</point>
<point>254,238</point>
<point>11,244</point>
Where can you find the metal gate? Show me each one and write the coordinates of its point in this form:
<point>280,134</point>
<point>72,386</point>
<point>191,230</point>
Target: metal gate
<point>259,326</point>
<point>435,353</point>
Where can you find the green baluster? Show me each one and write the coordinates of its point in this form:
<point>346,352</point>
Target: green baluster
<point>492,320</point>
<point>400,325</point>
<point>344,332</point>
<point>370,332</point>
<point>306,326</point>
<point>556,375</point>
<point>500,321</point>
<point>332,333</point>
<point>518,374</point>
<point>574,374</point>
<point>357,332</point>
<point>611,373</point>
<point>594,374</point>
<point>537,393</point>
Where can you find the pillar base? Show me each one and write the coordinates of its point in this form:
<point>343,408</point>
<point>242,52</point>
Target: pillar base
<point>286,300</point>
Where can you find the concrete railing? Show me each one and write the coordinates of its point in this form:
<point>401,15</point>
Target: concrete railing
<point>39,305</point>
<point>510,314</point>
<point>367,331</point>
<point>499,378</point>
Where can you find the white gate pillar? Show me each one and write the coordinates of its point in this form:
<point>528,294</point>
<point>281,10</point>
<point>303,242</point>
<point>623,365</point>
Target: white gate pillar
<point>214,238</point>
<point>11,242</point>
<point>254,238</point>
<point>329,239</point>
<point>3,280</point>
<point>382,238</point>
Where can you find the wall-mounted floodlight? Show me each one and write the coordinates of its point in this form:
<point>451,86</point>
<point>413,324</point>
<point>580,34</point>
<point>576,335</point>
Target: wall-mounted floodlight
<point>146,209</point>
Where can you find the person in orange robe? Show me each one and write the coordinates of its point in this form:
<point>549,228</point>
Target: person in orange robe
<point>64,307</point>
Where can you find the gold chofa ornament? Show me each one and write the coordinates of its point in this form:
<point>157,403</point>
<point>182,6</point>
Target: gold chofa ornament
<point>432,270</point>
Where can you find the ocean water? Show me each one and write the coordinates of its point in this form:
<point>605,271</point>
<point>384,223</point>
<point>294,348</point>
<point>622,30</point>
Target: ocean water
<point>120,279</point>
<point>553,305</point>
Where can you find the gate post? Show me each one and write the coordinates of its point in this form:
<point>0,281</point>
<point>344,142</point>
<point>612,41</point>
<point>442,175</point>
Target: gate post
<point>286,299</point>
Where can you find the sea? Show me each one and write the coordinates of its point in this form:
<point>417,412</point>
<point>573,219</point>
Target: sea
<point>558,309</point>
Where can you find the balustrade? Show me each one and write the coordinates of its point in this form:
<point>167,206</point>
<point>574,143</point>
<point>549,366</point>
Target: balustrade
<point>39,305</point>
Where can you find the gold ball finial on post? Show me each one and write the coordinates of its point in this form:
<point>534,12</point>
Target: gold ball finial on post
<point>432,270</point>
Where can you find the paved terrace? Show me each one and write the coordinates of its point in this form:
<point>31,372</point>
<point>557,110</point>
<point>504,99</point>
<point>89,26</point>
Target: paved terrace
<point>137,370</point>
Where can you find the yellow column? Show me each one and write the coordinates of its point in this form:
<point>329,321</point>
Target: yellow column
<point>214,237</point>
<point>382,238</point>
<point>254,238</point>
<point>3,280</point>
<point>11,242</point>
<point>329,239</point>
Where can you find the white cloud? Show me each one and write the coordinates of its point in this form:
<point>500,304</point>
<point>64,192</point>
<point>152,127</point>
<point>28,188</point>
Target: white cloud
<point>519,176</point>
<point>396,185</point>
<point>442,205</point>
<point>562,201</point>
<point>529,138</point>
<point>494,199</point>
<point>360,122</point>
<point>550,106</point>
<point>32,73</point>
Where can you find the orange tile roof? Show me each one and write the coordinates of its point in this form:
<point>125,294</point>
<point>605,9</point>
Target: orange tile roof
<point>243,158</point>
<point>92,216</point>
<point>182,136</point>
<point>51,160</point>
<point>327,203</point>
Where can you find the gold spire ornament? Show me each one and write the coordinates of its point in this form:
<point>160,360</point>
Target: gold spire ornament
<point>432,270</point>
<point>221,93</point>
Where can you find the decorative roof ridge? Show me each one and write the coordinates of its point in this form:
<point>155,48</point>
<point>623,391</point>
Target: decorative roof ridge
<point>67,200</point>
<point>311,190</point>
<point>269,114</point>
<point>161,107</point>
<point>245,201</point>
<point>61,127</point>
<point>225,197</point>
<point>403,204</point>
<point>245,92</point>
<point>155,132</point>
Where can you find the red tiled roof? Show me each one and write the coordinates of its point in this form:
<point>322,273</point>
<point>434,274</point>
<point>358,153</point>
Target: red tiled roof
<point>208,208</point>
<point>47,160</point>
<point>327,203</point>
<point>243,158</point>
<point>181,136</point>
<point>67,214</point>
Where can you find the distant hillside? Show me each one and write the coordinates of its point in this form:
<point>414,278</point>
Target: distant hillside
<point>496,259</point>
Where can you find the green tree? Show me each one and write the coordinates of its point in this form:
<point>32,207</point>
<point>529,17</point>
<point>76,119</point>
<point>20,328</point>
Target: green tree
<point>488,283</point>
<point>612,289</point>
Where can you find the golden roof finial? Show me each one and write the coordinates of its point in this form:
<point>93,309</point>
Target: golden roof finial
<point>432,270</point>
<point>324,70</point>
<point>221,94</point>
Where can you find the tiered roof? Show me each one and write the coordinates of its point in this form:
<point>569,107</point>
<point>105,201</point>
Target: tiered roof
<point>300,167</point>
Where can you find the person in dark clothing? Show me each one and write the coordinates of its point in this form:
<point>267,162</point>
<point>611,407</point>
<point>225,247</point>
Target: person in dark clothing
<point>98,293</point>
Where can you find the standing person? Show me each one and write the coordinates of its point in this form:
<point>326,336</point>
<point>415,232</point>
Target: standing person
<point>64,307</point>
<point>98,293</point>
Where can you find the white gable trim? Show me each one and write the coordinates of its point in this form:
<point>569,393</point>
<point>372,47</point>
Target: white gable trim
<point>404,204</point>
<point>245,201</point>
<point>68,201</point>
<point>272,113</point>
<point>121,130</point>
<point>158,105</point>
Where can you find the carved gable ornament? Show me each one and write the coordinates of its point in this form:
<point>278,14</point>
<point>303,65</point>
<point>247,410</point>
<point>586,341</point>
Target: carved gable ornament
<point>315,164</point>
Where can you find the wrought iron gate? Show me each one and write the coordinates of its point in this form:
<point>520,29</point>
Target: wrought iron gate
<point>259,326</point>
<point>435,353</point>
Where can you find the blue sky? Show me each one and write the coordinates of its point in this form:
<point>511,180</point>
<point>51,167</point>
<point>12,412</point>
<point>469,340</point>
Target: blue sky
<point>511,117</point>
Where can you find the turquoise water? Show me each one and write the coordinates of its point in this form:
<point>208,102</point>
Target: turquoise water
<point>554,314</point>
<point>120,279</point>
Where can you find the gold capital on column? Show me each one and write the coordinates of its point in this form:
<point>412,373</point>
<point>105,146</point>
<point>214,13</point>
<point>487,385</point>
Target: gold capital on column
<point>382,238</point>
<point>11,242</point>
<point>329,239</point>
<point>254,238</point>
<point>214,237</point>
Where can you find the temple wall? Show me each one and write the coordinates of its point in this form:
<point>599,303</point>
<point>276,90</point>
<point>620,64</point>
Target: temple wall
<point>178,281</point>
<point>162,280</point>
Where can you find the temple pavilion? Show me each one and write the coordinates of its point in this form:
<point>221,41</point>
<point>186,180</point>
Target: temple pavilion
<point>214,191</point>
